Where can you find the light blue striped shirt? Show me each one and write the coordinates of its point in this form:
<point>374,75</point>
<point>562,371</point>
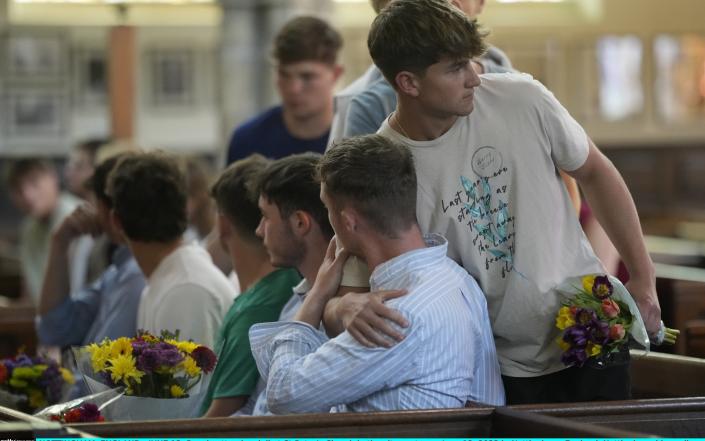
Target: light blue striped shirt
<point>446,358</point>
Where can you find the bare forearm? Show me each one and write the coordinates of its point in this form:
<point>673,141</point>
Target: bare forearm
<point>55,286</point>
<point>614,208</point>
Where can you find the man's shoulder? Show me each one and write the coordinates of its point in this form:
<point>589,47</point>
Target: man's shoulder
<point>260,123</point>
<point>379,91</point>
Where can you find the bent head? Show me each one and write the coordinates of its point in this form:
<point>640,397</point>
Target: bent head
<point>368,183</point>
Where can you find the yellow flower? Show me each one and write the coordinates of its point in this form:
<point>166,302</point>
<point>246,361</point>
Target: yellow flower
<point>593,349</point>
<point>99,356</point>
<point>187,346</point>
<point>565,318</point>
<point>588,282</point>
<point>121,346</point>
<point>563,344</point>
<point>67,375</point>
<point>189,365</point>
<point>123,368</point>
<point>36,399</point>
<point>176,391</point>
<point>149,338</point>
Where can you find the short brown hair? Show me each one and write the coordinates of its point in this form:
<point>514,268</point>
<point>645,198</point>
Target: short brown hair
<point>290,183</point>
<point>378,5</point>
<point>307,39</point>
<point>377,177</point>
<point>235,194</point>
<point>18,169</point>
<point>148,191</point>
<point>411,35</point>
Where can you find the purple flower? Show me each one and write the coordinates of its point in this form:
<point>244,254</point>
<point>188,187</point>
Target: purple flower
<point>205,358</point>
<point>138,346</point>
<point>89,412</point>
<point>602,288</point>
<point>585,316</point>
<point>599,332</point>
<point>574,357</point>
<point>170,356</point>
<point>148,360</point>
<point>577,336</point>
<point>52,382</point>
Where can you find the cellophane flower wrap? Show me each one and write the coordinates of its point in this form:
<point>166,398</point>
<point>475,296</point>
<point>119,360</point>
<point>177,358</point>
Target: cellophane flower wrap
<point>160,377</point>
<point>31,383</point>
<point>598,321</point>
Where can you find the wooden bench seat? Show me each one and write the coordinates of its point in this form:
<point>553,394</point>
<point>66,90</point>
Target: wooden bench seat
<point>658,375</point>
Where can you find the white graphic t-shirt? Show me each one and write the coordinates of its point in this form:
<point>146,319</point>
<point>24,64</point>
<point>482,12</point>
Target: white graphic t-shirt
<point>490,184</point>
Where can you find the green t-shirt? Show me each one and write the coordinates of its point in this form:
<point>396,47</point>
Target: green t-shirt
<point>236,372</point>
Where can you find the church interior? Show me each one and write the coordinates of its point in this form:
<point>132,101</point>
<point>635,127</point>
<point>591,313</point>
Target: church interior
<point>179,76</point>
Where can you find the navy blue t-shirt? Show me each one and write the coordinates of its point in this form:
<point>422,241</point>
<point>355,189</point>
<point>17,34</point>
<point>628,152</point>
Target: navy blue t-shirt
<point>266,134</point>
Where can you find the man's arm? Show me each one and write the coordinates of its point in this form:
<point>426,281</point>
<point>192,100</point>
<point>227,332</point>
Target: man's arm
<point>55,286</point>
<point>614,208</point>
<point>222,407</point>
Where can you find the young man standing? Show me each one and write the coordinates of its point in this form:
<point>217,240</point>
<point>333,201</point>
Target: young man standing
<point>486,154</point>
<point>185,292</point>
<point>447,356</point>
<point>265,289</point>
<point>305,52</point>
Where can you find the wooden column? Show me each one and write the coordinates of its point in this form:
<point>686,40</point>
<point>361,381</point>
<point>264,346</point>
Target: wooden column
<point>121,80</point>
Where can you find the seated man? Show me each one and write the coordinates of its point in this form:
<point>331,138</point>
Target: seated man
<point>34,189</point>
<point>447,355</point>
<point>185,292</point>
<point>108,307</point>
<point>265,289</point>
<point>295,229</point>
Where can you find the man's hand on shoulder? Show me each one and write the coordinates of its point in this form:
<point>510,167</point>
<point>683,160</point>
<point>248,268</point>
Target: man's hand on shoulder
<point>369,320</point>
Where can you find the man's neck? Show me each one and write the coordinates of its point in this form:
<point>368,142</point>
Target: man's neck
<point>250,263</point>
<point>313,258</point>
<point>378,249</point>
<point>150,254</point>
<point>311,127</point>
<point>411,121</point>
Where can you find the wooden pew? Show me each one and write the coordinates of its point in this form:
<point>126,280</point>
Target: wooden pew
<point>17,330</point>
<point>694,338</point>
<point>674,418</point>
<point>462,423</point>
<point>681,292</point>
<point>658,375</point>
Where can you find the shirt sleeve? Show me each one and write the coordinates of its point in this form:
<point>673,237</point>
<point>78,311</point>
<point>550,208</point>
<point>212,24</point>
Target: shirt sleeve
<point>568,140</point>
<point>305,372</point>
<point>68,323</point>
<point>236,373</point>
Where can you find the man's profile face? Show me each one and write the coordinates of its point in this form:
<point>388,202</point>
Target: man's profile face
<point>448,87</point>
<point>336,221</point>
<point>78,170</point>
<point>306,87</point>
<point>36,193</point>
<point>285,250</point>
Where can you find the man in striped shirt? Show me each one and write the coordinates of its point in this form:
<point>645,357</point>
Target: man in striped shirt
<point>447,355</point>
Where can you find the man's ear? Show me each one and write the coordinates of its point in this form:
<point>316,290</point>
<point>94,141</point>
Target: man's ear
<point>300,222</point>
<point>224,227</point>
<point>407,83</point>
<point>350,219</point>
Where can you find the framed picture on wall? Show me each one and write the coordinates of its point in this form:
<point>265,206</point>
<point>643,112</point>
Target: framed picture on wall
<point>172,77</point>
<point>90,77</point>
<point>35,57</point>
<point>34,113</point>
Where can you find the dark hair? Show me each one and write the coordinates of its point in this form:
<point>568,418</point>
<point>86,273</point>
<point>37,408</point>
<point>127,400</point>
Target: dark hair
<point>378,5</point>
<point>91,146</point>
<point>18,169</point>
<point>290,183</point>
<point>307,39</point>
<point>377,177</point>
<point>98,183</point>
<point>235,194</point>
<point>411,35</point>
<point>149,196</point>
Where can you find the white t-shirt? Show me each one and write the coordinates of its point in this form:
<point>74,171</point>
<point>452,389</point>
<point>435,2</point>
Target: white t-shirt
<point>186,292</point>
<point>490,185</point>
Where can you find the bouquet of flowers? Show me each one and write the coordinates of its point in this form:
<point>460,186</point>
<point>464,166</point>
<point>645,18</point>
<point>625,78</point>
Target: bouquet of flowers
<point>599,321</point>
<point>159,376</point>
<point>31,383</point>
<point>83,413</point>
